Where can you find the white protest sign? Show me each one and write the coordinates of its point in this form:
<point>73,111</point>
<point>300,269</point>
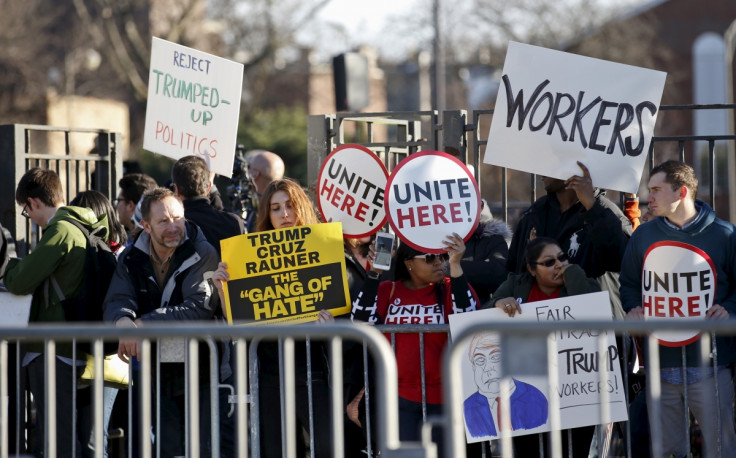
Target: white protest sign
<point>579,385</point>
<point>678,282</point>
<point>350,190</point>
<point>14,310</point>
<point>430,195</point>
<point>554,109</point>
<point>193,105</point>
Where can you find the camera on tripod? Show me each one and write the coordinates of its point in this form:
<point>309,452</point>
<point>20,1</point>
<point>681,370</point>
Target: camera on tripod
<point>241,192</point>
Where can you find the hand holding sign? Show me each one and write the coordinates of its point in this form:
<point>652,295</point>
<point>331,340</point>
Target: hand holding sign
<point>455,247</point>
<point>554,108</point>
<point>583,187</point>
<point>287,275</point>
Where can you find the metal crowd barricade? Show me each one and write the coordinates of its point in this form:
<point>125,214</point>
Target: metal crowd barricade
<point>244,399</point>
<point>334,335</point>
<point>454,419</point>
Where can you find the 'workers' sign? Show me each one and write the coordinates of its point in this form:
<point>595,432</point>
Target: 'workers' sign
<point>554,109</point>
<point>285,275</point>
<point>678,282</point>
<point>430,195</point>
<point>350,190</point>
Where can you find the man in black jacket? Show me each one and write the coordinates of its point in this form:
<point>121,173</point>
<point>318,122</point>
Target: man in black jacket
<point>160,279</point>
<point>191,180</point>
<point>590,228</point>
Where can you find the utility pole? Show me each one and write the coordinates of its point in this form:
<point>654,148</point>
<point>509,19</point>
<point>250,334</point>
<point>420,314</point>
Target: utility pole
<point>729,37</point>
<point>439,60</point>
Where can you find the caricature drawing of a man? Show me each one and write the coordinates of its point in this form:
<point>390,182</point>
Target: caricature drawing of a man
<point>528,405</point>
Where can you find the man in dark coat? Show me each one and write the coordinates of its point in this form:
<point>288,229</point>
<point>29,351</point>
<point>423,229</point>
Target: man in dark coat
<point>191,180</point>
<point>590,228</point>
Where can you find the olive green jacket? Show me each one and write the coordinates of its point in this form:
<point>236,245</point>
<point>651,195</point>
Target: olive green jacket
<point>61,252</point>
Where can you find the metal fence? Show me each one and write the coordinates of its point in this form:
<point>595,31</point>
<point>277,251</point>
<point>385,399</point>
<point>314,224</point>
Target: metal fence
<point>84,159</point>
<point>244,409</point>
<point>394,135</point>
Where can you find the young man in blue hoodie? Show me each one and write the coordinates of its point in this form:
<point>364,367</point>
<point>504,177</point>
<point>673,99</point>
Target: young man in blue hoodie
<point>656,282</point>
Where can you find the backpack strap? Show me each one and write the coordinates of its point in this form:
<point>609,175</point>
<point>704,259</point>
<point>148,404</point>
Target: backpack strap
<point>57,289</point>
<point>52,277</point>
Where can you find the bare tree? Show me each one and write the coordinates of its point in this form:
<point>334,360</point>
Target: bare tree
<point>26,57</point>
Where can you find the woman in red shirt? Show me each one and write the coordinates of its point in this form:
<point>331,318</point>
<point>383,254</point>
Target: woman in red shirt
<point>421,294</point>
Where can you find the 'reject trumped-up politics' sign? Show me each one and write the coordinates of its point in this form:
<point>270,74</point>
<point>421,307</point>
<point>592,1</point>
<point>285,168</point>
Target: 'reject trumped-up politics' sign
<point>350,189</point>
<point>555,108</point>
<point>285,276</point>
<point>678,282</point>
<point>430,195</point>
<point>193,105</point>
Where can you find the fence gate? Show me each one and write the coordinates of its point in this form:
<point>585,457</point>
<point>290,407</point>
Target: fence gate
<point>84,159</point>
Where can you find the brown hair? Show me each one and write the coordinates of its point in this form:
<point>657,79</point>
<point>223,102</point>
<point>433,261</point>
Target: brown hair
<point>154,195</point>
<point>678,174</point>
<point>300,202</point>
<point>133,185</point>
<point>191,176</point>
<point>41,184</point>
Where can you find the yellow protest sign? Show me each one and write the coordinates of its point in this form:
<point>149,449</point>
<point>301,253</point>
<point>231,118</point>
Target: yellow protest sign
<point>285,275</point>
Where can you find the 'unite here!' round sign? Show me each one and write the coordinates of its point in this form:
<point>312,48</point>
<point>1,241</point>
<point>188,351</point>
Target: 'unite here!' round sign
<point>430,195</point>
<point>350,190</point>
<point>678,282</point>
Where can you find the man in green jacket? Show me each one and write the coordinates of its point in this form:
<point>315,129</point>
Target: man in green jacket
<point>59,253</point>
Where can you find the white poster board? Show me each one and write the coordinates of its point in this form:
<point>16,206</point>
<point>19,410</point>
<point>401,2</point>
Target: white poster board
<point>554,109</point>
<point>430,195</point>
<point>350,190</point>
<point>678,282</point>
<point>14,310</point>
<point>578,375</point>
<point>193,105</point>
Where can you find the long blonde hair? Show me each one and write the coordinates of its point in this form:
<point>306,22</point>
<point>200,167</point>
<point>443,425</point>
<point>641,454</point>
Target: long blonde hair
<point>300,202</point>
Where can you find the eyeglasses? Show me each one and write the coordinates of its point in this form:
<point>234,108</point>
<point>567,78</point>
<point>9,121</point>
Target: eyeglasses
<point>481,361</point>
<point>562,257</point>
<point>430,258</point>
<point>115,202</point>
<point>24,212</point>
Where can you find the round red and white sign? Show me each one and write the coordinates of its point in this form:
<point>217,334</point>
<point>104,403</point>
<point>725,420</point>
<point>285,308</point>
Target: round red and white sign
<point>350,190</point>
<point>678,282</point>
<point>430,195</point>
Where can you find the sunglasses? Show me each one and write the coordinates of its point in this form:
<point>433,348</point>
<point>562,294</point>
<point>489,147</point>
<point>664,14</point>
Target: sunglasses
<point>562,257</point>
<point>431,258</point>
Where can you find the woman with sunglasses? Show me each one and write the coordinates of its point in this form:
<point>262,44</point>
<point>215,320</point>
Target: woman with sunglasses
<point>421,294</point>
<point>548,275</point>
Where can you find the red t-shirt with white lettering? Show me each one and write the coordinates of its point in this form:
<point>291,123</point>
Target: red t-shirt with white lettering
<point>410,306</point>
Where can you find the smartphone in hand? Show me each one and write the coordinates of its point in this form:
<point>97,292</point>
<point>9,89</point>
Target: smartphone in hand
<point>384,250</point>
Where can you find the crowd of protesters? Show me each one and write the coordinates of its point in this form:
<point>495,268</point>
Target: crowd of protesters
<point>573,240</point>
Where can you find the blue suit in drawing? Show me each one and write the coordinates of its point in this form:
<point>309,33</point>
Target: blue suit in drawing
<point>528,410</point>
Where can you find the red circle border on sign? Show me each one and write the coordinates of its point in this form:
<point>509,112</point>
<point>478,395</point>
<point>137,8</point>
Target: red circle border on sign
<point>668,343</point>
<point>319,180</point>
<point>388,210</point>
